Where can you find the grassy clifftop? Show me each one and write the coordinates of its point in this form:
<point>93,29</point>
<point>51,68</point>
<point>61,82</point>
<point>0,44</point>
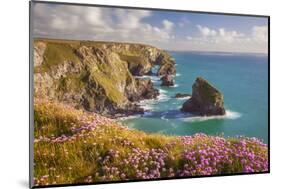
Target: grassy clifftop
<point>73,146</point>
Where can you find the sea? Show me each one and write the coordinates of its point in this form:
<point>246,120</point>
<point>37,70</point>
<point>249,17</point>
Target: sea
<point>241,77</point>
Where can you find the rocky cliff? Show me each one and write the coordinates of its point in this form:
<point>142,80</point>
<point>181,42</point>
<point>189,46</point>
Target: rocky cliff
<point>96,76</point>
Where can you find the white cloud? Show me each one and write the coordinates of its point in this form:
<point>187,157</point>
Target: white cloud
<point>129,19</point>
<point>260,33</point>
<point>222,39</point>
<point>92,23</point>
<point>93,17</point>
<point>218,35</point>
<point>221,32</point>
<point>229,36</point>
<point>116,24</point>
<point>168,25</point>
<point>205,31</point>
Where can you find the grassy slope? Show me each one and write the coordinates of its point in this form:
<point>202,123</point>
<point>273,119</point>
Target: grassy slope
<point>72,146</point>
<point>56,53</point>
<point>107,76</point>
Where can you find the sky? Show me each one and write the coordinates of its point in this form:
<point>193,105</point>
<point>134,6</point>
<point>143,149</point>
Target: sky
<point>169,30</point>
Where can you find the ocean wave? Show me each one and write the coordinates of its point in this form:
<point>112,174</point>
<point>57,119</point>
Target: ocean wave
<point>153,78</point>
<point>229,115</point>
<point>175,86</point>
<point>147,104</point>
<point>163,96</point>
<point>164,118</point>
<point>178,74</point>
<point>162,91</point>
<point>128,117</point>
<point>184,98</point>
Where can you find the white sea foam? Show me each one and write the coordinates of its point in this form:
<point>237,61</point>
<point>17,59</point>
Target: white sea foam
<point>150,103</point>
<point>151,77</point>
<point>184,98</point>
<point>163,96</point>
<point>162,91</point>
<point>178,74</point>
<point>229,115</point>
<point>164,118</point>
<point>147,104</point>
<point>128,117</point>
<point>176,85</point>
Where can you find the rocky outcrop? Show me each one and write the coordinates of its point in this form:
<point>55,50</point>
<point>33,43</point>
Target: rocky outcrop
<point>146,89</point>
<point>206,100</point>
<point>182,95</point>
<point>137,65</point>
<point>38,53</point>
<point>166,69</point>
<point>166,65</point>
<point>140,58</point>
<point>95,76</point>
<point>167,80</point>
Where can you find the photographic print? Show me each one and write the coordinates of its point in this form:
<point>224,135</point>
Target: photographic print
<point>125,94</point>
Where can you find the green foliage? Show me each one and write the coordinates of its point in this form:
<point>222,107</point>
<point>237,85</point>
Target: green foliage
<point>50,120</point>
<point>72,82</point>
<point>55,54</point>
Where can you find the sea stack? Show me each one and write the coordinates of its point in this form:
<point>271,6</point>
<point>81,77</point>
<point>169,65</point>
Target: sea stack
<point>206,100</point>
<point>167,69</point>
<point>167,80</point>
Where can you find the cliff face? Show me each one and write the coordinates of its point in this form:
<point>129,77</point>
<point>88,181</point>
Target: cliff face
<point>96,76</point>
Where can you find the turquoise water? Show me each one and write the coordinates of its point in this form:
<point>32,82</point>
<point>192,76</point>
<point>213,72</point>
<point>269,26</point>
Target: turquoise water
<point>242,78</point>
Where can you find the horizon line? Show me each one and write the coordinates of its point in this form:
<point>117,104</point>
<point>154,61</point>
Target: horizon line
<point>140,43</point>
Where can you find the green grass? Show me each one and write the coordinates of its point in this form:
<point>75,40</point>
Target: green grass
<point>55,54</point>
<point>72,82</point>
<point>108,81</point>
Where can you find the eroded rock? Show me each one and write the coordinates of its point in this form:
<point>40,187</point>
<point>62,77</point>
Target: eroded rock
<point>167,80</point>
<point>206,100</point>
<point>166,69</point>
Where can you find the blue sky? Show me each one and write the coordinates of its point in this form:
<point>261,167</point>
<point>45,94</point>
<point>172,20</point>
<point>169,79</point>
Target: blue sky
<point>181,31</point>
<point>242,23</point>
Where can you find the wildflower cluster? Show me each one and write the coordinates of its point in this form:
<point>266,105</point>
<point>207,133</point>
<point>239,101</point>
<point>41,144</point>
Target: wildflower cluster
<point>218,155</point>
<point>72,146</point>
